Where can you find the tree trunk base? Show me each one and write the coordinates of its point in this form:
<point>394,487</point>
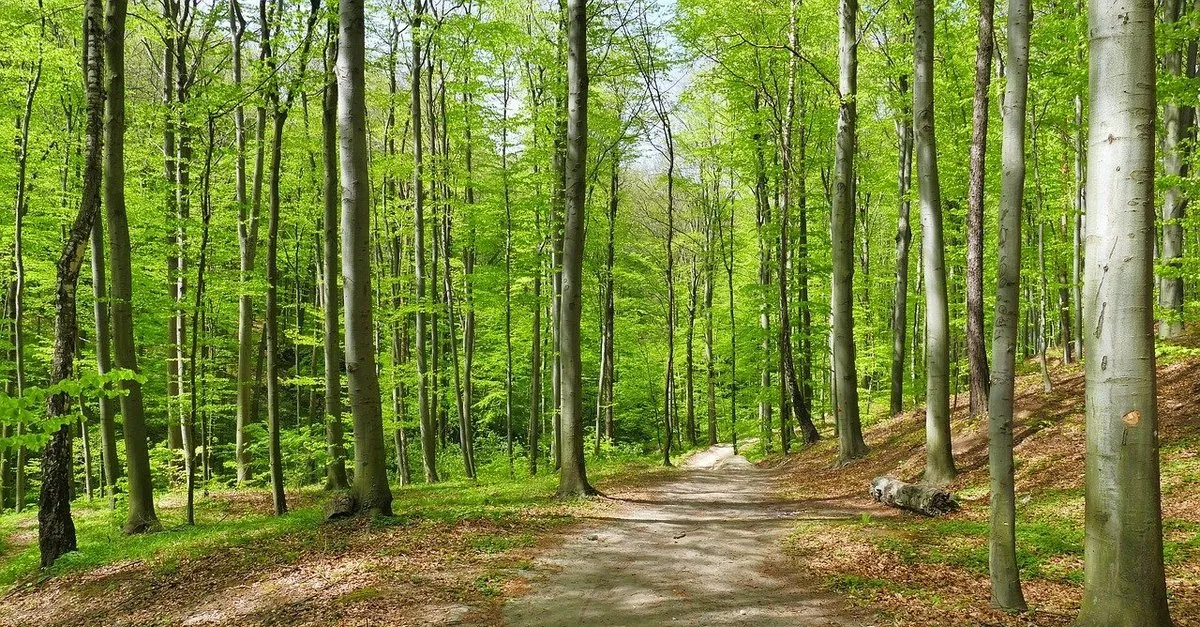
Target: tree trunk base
<point>924,500</point>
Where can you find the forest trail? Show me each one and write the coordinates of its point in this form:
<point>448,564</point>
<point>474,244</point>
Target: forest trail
<point>702,549</point>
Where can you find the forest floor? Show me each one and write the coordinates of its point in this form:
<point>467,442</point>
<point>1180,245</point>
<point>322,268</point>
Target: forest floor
<point>702,548</point>
<point>923,571</point>
<point>449,556</point>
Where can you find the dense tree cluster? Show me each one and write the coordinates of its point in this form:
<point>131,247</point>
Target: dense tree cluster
<point>571,227</point>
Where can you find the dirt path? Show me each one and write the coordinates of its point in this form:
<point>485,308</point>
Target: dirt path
<point>704,549</point>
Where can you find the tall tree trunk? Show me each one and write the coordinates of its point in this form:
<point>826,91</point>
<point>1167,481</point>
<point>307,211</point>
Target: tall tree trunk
<point>424,411</point>
<point>800,405</point>
<point>1002,542</point>
<point>372,494</point>
<point>710,362</point>
<point>572,478</point>
<point>976,347</point>
<point>335,469</point>
<point>939,462</point>
<point>188,421</point>
<point>140,517</point>
<point>56,530</point>
<point>763,217</point>
<point>108,427</point>
<point>1123,580</point>
<point>608,312</point>
<point>508,257</point>
<point>1177,121</point>
<point>904,128</point>
<point>247,248</point>
<point>690,365</point>
<point>271,316</point>
<point>21,208</point>
<point>1077,230</point>
<point>170,10</point>
<point>851,444</point>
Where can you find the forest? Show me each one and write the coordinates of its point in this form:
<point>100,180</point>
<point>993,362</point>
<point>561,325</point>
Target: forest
<point>598,312</point>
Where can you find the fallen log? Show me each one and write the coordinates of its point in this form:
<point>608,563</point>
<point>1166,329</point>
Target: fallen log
<point>922,499</point>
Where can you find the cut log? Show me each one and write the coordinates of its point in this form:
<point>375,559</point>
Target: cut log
<point>922,499</point>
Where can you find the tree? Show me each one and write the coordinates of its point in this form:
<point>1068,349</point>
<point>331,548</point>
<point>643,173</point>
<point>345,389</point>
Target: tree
<point>1002,545</point>
<point>939,463</point>
<point>976,349</point>
<point>845,374</point>
<point>371,491</point>
<point>335,470</point>
<point>56,529</point>
<point>1123,581</point>
<point>424,411</point>
<point>1177,120</point>
<point>141,517</point>
<point>572,477</point>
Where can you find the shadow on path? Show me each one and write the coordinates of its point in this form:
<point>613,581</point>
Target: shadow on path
<point>704,549</point>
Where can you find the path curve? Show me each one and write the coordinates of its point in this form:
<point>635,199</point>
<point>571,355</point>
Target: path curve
<point>702,549</point>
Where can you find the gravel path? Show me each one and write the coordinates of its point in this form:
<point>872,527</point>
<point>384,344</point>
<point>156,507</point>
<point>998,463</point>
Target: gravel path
<point>704,549</point>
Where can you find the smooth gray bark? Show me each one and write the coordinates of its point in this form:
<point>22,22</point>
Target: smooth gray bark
<point>904,128</point>
<point>939,463</point>
<point>572,477</point>
<point>247,249</point>
<point>1176,121</point>
<point>335,469</point>
<point>1124,582</point>
<point>371,491</point>
<point>1002,541</point>
<point>424,411</point>
<point>845,375</point>
<point>141,516</point>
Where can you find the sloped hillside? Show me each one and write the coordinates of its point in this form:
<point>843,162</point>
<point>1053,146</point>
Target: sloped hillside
<point>934,571</point>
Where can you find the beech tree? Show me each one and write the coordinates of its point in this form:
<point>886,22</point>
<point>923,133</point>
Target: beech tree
<point>1123,567</point>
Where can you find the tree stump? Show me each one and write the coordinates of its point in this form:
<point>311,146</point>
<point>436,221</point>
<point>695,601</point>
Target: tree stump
<point>340,505</point>
<point>924,500</point>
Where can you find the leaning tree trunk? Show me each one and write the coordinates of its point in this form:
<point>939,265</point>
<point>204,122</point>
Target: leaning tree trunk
<point>976,348</point>
<point>572,478</point>
<point>1002,542</point>
<point>56,530</point>
<point>335,469</point>
<point>141,516</point>
<point>850,439</point>
<point>371,491</point>
<point>1123,580</point>
<point>939,463</point>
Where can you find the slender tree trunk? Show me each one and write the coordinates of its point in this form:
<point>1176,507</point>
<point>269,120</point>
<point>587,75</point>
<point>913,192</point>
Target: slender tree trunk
<point>335,470</point>
<point>690,375</point>
<point>56,530</point>
<point>573,475</point>
<point>976,347</point>
<point>188,423</point>
<point>1077,243</point>
<point>424,411</point>
<point>608,315</point>
<point>710,362</point>
<point>141,516</point>
<point>372,494</point>
<point>108,428</point>
<point>850,438</point>
<point>939,462</point>
<point>271,328</point>
<point>1123,581</point>
<point>800,405</point>
<point>1002,542</point>
<point>1177,121</point>
<point>247,249</point>
<point>763,217</point>
<point>903,242</point>
<point>508,258</point>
